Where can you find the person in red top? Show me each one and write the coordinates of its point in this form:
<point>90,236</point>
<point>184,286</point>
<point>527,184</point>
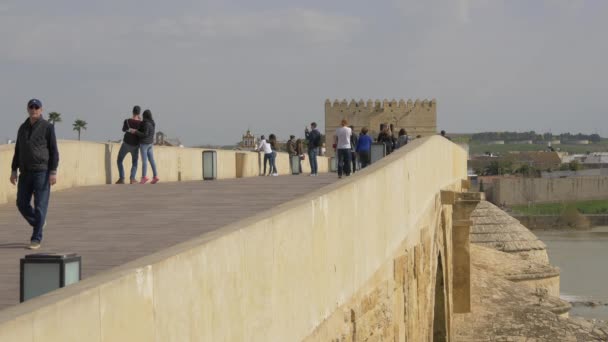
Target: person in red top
<point>130,144</point>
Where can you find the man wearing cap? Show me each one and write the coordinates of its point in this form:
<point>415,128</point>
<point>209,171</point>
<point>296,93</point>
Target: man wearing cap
<point>36,158</point>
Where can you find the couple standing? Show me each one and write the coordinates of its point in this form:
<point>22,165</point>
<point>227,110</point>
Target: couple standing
<point>139,137</point>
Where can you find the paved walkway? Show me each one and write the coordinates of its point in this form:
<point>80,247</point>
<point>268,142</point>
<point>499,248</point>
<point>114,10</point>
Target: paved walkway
<point>111,225</point>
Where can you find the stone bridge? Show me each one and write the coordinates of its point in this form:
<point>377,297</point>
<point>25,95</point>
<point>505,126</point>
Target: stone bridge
<point>380,256</point>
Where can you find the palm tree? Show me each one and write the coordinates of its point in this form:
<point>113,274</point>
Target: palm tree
<point>79,125</point>
<point>54,117</point>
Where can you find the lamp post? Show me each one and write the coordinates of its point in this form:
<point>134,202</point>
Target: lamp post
<point>209,165</point>
<point>377,152</point>
<point>42,273</point>
<point>295,164</point>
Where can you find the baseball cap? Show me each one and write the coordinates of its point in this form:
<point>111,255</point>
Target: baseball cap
<point>34,102</point>
<point>292,136</point>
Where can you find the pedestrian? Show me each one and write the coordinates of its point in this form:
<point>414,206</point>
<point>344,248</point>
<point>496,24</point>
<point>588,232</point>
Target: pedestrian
<point>300,152</point>
<point>272,141</point>
<point>130,145</point>
<point>342,143</point>
<point>265,148</point>
<point>445,136</point>
<point>313,137</point>
<point>146,145</point>
<point>392,135</point>
<point>353,148</point>
<point>403,138</point>
<point>385,138</point>
<point>364,147</point>
<point>34,169</point>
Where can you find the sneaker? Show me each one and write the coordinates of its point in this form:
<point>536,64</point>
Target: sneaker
<point>275,174</point>
<point>340,177</point>
<point>155,180</point>
<point>34,245</point>
<point>120,181</point>
<point>144,180</point>
<point>134,181</point>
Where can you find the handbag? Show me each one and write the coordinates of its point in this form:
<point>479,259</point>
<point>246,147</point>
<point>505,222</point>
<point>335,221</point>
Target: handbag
<point>302,157</point>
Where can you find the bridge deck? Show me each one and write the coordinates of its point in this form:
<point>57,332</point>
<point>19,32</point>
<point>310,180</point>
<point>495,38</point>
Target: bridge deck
<point>111,225</point>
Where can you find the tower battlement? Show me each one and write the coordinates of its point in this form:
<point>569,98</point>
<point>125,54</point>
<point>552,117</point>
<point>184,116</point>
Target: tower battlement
<point>371,105</point>
<point>418,117</point>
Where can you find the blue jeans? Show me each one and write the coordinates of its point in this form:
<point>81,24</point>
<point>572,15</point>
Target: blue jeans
<point>34,184</point>
<point>147,153</point>
<point>344,160</point>
<point>273,162</point>
<point>312,157</point>
<point>124,150</point>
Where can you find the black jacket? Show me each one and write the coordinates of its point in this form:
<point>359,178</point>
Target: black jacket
<point>146,132</point>
<point>36,148</point>
<point>130,139</point>
<point>314,138</point>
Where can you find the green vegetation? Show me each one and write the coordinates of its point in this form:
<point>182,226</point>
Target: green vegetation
<point>519,136</point>
<point>480,148</point>
<point>79,125</point>
<point>583,207</point>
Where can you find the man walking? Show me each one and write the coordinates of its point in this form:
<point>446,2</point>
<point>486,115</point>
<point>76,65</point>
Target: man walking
<point>314,142</point>
<point>291,150</point>
<point>130,144</point>
<point>36,158</point>
<point>342,141</point>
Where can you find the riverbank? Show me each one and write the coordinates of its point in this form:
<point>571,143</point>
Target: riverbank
<point>557,222</point>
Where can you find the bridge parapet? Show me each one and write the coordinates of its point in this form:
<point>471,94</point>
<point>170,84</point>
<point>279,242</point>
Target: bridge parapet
<point>357,248</point>
<point>85,163</point>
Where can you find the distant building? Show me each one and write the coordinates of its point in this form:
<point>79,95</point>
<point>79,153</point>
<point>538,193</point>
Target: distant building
<point>541,160</point>
<point>578,142</point>
<point>249,141</point>
<point>162,140</point>
<point>496,142</point>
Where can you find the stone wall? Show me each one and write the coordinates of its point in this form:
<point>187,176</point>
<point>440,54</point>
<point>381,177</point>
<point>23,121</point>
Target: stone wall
<point>417,118</point>
<point>514,191</point>
<point>354,250</point>
<point>87,163</point>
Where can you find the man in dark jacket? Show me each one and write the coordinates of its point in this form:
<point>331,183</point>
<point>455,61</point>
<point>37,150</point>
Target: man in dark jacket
<point>36,159</point>
<point>314,142</point>
<point>130,144</point>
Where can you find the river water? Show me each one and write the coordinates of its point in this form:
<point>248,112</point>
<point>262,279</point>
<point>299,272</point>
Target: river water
<point>582,257</point>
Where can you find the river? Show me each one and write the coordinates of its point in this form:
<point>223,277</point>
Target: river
<point>582,257</point>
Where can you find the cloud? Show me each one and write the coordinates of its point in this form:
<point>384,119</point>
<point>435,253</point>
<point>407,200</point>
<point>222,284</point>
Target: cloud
<point>105,39</point>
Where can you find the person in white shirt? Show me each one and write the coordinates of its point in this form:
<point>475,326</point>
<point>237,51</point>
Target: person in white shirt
<point>264,146</point>
<point>343,148</point>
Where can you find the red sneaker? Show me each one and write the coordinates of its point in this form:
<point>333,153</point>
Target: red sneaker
<point>144,180</point>
<point>155,180</point>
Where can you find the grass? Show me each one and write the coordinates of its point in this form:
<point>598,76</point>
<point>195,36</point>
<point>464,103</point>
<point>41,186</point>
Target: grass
<point>477,148</point>
<point>584,207</point>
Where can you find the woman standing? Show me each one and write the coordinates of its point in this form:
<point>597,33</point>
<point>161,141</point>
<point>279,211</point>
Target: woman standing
<point>146,142</point>
<point>403,138</point>
<point>272,140</point>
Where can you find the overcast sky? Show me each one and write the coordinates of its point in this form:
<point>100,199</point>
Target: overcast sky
<point>209,69</point>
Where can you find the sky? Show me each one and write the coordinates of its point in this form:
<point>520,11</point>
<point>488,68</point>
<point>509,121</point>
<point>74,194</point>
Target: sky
<point>210,69</point>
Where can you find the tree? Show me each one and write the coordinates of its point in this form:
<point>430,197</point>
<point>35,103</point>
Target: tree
<point>574,165</point>
<point>79,125</point>
<point>54,117</point>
